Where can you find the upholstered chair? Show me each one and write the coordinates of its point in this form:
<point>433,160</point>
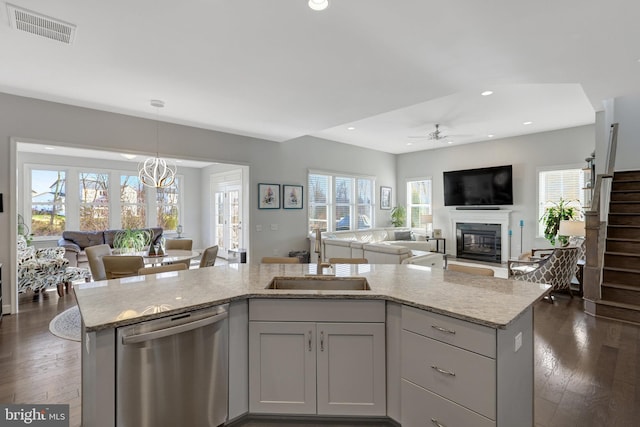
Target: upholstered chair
<point>209,256</point>
<point>94,256</point>
<point>183,244</point>
<point>556,270</point>
<point>119,266</point>
<point>161,269</point>
<point>39,269</point>
<point>280,260</point>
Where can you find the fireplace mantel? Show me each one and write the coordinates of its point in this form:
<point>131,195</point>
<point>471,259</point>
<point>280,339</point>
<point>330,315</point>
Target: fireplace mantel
<point>484,216</point>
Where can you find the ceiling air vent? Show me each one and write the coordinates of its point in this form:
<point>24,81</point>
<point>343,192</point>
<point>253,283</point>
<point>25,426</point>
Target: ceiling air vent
<point>41,25</point>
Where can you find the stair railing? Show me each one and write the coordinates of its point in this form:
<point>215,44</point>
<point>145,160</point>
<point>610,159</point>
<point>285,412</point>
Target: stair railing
<point>596,226</point>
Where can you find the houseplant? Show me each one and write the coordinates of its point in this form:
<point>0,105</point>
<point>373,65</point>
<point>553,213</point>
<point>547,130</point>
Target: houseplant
<point>559,211</point>
<point>129,240</point>
<point>399,216</point>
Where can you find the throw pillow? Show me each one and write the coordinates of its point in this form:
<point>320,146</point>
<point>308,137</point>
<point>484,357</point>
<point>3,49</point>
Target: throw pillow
<point>403,235</point>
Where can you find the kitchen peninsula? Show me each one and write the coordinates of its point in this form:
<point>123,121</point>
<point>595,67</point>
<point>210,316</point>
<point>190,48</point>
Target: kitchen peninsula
<point>445,344</point>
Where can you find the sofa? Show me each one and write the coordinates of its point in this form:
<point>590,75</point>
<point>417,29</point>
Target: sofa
<point>75,242</point>
<point>379,246</point>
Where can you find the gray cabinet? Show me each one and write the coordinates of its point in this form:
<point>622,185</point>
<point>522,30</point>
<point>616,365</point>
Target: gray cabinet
<point>317,357</point>
<point>458,373</point>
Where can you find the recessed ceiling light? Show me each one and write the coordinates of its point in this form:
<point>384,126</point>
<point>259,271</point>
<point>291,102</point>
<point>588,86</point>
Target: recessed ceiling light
<point>409,143</point>
<point>487,93</point>
<point>318,4</point>
<point>128,156</point>
<point>449,142</point>
<point>526,123</point>
<point>351,128</point>
<point>491,135</point>
<point>49,148</point>
<point>178,161</point>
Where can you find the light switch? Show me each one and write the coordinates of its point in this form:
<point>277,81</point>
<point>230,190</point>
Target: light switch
<point>274,227</point>
<point>259,227</point>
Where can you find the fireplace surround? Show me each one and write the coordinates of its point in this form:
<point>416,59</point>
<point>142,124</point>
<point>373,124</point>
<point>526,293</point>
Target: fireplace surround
<point>498,217</point>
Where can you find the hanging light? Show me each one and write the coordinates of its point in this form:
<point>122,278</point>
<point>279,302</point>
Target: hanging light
<point>155,172</point>
<point>318,4</point>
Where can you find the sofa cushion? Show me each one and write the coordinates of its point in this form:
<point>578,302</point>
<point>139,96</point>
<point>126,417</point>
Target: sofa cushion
<point>403,235</point>
<point>84,238</point>
<point>338,242</point>
<point>385,248</point>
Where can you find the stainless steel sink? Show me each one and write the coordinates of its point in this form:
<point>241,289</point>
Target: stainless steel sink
<point>320,283</point>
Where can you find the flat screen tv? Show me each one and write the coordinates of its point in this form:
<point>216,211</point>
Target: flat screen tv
<point>479,187</point>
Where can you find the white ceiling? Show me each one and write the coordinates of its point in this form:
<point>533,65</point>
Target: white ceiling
<point>390,68</point>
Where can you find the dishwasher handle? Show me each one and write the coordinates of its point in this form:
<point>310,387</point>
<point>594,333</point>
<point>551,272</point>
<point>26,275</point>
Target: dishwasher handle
<point>161,333</point>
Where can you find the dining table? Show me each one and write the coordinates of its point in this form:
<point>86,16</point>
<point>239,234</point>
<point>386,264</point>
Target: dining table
<point>169,256</point>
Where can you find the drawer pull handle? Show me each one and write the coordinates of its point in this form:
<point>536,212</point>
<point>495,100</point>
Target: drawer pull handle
<point>437,423</point>
<point>321,340</point>
<point>310,337</point>
<point>441,329</point>
<point>444,371</point>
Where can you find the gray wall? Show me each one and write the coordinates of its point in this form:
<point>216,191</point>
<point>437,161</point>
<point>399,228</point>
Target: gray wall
<point>282,163</point>
<point>526,154</point>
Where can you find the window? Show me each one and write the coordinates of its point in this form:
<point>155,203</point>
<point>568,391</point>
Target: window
<point>168,205</point>
<point>75,198</point>
<point>133,205</point>
<point>419,204</point>
<point>556,184</point>
<point>47,202</point>
<point>340,202</point>
<point>94,201</point>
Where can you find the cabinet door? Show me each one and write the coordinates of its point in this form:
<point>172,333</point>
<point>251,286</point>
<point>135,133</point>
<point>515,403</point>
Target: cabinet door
<point>282,367</point>
<point>351,371</point>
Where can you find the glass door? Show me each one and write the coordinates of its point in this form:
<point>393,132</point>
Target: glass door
<point>228,226</point>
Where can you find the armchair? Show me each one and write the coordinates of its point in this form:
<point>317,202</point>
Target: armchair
<point>557,269</point>
<point>39,269</point>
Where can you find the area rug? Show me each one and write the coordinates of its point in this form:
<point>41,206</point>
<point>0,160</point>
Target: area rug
<point>67,324</point>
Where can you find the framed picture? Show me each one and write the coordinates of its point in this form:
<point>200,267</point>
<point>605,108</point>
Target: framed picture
<point>385,197</point>
<point>292,196</point>
<point>437,233</point>
<point>268,196</point>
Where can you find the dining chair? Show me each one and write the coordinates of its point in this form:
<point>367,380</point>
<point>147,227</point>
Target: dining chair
<point>118,266</point>
<point>348,261</point>
<point>183,244</point>
<point>280,260</point>
<point>209,257</point>
<point>161,269</point>
<point>481,271</point>
<point>94,256</point>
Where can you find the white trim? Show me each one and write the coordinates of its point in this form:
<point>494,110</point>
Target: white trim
<point>482,216</point>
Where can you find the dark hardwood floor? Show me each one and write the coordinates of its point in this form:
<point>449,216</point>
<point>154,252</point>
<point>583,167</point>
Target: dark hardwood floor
<point>587,370</point>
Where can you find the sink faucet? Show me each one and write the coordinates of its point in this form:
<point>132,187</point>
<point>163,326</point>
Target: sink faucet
<point>318,250</point>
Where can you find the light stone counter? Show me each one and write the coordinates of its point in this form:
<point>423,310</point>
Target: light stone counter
<point>484,300</point>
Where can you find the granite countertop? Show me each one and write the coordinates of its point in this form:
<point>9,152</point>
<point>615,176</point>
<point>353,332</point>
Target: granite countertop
<point>488,301</point>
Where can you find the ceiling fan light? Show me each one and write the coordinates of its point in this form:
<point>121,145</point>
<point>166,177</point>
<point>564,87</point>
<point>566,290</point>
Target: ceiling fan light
<point>318,4</point>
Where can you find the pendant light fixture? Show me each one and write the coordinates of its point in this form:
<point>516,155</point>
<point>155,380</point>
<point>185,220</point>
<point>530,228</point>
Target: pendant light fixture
<point>155,172</point>
<point>318,5</point>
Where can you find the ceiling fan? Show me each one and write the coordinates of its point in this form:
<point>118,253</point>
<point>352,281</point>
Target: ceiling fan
<point>436,135</point>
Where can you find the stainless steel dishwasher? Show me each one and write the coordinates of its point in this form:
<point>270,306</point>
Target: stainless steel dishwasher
<point>173,371</point>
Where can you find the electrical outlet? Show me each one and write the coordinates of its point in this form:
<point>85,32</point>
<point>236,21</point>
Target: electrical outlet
<point>518,341</point>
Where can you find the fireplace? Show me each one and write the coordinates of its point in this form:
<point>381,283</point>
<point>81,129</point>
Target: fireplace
<point>498,217</point>
<point>480,242</point>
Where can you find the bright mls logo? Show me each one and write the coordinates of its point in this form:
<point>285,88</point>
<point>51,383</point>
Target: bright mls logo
<point>34,415</point>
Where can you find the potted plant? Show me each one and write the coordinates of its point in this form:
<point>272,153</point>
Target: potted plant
<point>552,216</point>
<point>131,240</point>
<point>399,216</point>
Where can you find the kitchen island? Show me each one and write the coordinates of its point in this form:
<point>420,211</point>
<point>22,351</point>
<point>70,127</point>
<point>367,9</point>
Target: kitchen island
<point>481,321</point>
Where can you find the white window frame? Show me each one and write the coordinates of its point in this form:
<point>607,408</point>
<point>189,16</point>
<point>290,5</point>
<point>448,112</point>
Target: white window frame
<point>409,205</point>
<point>331,198</point>
<point>541,203</point>
<point>72,196</point>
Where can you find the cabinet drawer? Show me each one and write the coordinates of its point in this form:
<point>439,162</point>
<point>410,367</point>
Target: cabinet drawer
<point>423,408</point>
<point>477,338</point>
<point>456,374</point>
<point>317,310</point>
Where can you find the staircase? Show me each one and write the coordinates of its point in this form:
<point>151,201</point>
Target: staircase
<point>621,271</point>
